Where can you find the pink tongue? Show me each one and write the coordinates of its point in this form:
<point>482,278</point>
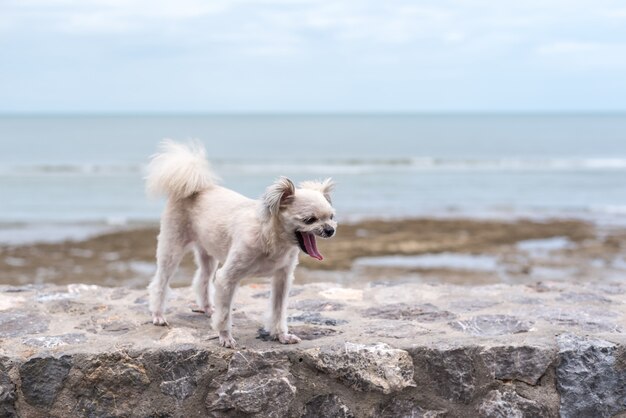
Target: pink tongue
<point>311,245</point>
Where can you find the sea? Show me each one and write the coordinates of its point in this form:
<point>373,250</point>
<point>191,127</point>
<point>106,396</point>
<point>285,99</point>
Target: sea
<point>66,176</point>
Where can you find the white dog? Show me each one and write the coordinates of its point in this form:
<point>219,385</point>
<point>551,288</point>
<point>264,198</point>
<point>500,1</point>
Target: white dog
<point>245,237</point>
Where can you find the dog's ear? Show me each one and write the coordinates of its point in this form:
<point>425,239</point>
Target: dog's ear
<point>279,195</point>
<point>325,187</point>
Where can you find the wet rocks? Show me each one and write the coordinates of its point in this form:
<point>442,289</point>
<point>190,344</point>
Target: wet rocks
<point>363,367</point>
<point>591,377</point>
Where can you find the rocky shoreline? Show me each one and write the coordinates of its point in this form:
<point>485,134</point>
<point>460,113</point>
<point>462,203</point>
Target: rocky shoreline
<point>456,251</point>
<point>541,350</point>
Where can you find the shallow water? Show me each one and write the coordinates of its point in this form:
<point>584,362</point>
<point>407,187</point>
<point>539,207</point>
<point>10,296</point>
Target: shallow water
<point>80,169</point>
<point>453,261</point>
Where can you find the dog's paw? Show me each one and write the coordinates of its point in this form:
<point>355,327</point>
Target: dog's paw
<point>288,339</point>
<point>159,320</point>
<point>227,340</point>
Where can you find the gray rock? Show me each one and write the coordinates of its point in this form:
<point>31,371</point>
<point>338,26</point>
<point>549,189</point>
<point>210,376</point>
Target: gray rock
<point>525,363</point>
<point>326,406</point>
<point>591,377</point>
<point>7,395</point>
<point>17,323</point>
<point>116,327</point>
<point>583,297</point>
<point>406,408</point>
<point>42,379</point>
<point>180,388</point>
<point>304,332</point>
<point>265,295</point>
<point>68,306</point>
<point>365,367</point>
<point>316,318</point>
<point>395,330</point>
<point>491,325</point>
<point>424,312</point>
<point>508,404</point>
<point>181,370</point>
<point>450,373</point>
<point>315,305</point>
<point>257,384</point>
<point>468,305</point>
<point>595,320</point>
<point>53,341</point>
<point>106,383</point>
<point>311,332</point>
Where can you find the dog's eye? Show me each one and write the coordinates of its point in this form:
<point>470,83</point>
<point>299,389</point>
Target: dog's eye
<point>332,216</point>
<point>310,220</point>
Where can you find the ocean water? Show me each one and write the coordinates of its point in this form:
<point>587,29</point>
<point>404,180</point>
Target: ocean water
<point>68,170</point>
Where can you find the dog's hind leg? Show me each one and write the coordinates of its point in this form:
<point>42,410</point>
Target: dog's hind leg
<point>277,327</point>
<point>169,254</point>
<point>202,280</point>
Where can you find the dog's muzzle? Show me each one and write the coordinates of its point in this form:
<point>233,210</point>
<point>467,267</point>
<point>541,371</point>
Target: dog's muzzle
<point>328,232</point>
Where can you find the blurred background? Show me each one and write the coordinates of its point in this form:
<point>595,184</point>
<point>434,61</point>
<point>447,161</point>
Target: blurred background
<point>484,111</point>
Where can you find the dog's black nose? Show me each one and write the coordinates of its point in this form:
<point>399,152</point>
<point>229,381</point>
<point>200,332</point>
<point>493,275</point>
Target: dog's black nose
<point>329,231</point>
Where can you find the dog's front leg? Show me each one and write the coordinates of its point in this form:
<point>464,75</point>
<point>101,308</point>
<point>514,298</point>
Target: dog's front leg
<point>281,282</point>
<point>226,280</point>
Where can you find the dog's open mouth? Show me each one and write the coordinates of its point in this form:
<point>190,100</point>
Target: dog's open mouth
<point>307,243</point>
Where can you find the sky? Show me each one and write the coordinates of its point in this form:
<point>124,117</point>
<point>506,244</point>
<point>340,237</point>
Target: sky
<point>245,56</point>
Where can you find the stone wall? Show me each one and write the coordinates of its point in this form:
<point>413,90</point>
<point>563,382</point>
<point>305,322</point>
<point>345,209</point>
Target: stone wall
<point>408,350</point>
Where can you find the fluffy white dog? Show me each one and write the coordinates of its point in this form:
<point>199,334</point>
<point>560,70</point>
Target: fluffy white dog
<point>244,237</point>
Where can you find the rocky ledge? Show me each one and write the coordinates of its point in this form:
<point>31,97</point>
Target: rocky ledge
<point>409,350</point>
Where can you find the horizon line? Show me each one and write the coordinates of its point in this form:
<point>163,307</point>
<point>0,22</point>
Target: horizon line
<point>315,113</point>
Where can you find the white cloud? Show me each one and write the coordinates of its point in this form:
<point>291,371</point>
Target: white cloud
<point>574,55</point>
<point>311,43</point>
<point>569,47</point>
<point>106,16</point>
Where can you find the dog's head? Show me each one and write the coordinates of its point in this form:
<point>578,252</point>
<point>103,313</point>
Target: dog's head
<point>303,213</point>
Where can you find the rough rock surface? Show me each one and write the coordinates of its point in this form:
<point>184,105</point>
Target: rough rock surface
<point>591,377</point>
<point>507,404</point>
<point>365,367</point>
<point>412,350</point>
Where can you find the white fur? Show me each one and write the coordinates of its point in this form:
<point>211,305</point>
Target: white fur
<point>178,171</point>
<point>245,237</point>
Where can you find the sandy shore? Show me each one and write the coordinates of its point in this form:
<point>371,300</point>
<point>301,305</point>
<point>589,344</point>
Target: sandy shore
<point>459,251</point>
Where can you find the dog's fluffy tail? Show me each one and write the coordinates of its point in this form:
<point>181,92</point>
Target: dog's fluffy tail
<point>178,170</point>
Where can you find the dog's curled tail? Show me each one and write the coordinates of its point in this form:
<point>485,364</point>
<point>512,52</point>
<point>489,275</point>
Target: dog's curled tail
<point>178,170</point>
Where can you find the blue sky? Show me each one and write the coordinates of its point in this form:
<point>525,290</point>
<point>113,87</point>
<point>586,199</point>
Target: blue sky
<point>312,56</point>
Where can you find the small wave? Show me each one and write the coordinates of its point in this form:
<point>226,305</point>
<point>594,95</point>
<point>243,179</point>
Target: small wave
<point>520,163</point>
<point>71,169</point>
<point>341,166</point>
